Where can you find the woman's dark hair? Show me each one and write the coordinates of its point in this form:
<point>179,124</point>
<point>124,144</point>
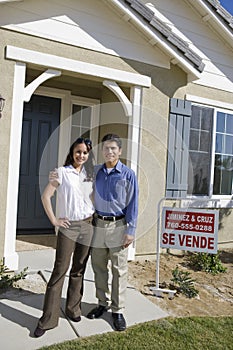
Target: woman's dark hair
<point>112,137</point>
<point>89,165</point>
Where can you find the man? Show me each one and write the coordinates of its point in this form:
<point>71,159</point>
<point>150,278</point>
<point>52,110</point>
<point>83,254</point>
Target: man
<point>116,210</point>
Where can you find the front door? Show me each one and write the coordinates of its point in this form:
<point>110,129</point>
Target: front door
<point>40,120</point>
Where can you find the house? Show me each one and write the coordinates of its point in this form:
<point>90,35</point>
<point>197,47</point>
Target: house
<point>158,73</point>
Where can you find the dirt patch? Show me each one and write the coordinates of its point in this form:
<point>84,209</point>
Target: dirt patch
<point>215,296</point>
<point>33,283</point>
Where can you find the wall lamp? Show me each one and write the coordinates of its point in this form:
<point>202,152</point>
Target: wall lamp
<point>2,104</point>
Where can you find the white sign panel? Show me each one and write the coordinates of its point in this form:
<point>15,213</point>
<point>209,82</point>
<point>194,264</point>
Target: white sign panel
<point>190,229</point>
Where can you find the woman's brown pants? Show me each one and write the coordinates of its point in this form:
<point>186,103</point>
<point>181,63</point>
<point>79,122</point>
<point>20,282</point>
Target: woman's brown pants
<point>76,240</point>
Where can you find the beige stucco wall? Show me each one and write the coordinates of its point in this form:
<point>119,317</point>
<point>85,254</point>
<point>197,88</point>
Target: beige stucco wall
<point>225,235</point>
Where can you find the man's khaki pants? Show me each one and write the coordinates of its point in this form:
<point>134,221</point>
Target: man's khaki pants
<point>107,245</point>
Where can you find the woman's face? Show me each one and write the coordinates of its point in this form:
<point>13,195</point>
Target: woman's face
<point>80,155</point>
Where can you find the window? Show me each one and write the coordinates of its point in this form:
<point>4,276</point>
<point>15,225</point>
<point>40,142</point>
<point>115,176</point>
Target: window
<point>81,122</point>
<point>200,150</point>
<point>207,157</point>
<point>84,121</point>
<point>223,164</point>
<point>200,140</point>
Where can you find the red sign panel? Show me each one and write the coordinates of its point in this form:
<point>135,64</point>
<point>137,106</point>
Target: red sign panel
<point>190,229</point>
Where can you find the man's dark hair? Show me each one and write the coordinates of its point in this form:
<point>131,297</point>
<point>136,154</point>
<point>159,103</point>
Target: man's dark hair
<point>112,137</point>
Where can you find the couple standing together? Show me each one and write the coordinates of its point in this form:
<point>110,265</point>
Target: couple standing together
<point>104,197</point>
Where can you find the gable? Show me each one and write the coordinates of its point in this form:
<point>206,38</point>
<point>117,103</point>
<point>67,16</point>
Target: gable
<point>196,23</point>
<point>89,24</point>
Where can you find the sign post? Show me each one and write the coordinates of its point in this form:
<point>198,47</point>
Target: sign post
<point>191,229</point>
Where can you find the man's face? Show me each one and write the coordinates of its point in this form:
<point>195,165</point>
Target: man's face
<point>111,152</point>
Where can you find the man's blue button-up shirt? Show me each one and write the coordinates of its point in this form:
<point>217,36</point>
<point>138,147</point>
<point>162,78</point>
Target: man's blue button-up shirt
<point>116,194</point>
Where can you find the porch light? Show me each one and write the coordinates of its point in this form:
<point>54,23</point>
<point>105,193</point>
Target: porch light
<point>2,104</point>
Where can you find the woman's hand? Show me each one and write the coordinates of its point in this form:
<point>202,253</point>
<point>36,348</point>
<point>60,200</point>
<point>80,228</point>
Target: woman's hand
<point>62,223</point>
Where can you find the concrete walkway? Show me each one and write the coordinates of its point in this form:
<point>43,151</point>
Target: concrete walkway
<point>19,311</point>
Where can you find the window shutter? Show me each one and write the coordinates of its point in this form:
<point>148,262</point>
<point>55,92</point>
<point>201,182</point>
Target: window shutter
<point>178,148</point>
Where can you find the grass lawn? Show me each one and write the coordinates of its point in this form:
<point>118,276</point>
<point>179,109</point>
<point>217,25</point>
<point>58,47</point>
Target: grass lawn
<point>187,333</point>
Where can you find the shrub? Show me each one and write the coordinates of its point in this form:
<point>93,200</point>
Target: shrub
<point>7,280</point>
<point>183,283</point>
<point>206,262</point>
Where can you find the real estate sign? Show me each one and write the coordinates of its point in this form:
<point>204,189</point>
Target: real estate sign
<point>189,229</point>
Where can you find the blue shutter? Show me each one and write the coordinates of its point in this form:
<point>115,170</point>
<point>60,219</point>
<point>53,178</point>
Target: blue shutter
<point>178,148</point>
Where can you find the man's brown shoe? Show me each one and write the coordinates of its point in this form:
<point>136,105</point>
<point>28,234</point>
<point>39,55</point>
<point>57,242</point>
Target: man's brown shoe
<point>96,312</point>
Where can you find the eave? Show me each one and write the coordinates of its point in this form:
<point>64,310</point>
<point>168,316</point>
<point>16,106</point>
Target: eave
<point>216,17</point>
<point>160,35</point>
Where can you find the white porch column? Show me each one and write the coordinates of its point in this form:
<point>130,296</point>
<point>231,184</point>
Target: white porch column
<point>134,128</point>
<point>10,255</point>
<point>134,141</point>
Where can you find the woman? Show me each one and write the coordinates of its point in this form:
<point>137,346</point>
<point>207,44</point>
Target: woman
<point>75,209</point>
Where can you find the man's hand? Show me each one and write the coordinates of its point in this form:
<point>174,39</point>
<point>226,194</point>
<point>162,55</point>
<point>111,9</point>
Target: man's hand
<point>53,175</point>
<point>128,239</point>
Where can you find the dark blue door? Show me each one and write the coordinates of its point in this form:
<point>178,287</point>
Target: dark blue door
<point>40,121</point>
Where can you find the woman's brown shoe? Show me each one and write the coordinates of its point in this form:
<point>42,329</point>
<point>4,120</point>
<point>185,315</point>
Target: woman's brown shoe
<point>39,332</point>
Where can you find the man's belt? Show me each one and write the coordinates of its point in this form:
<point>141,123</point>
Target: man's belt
<point>110,218</point>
